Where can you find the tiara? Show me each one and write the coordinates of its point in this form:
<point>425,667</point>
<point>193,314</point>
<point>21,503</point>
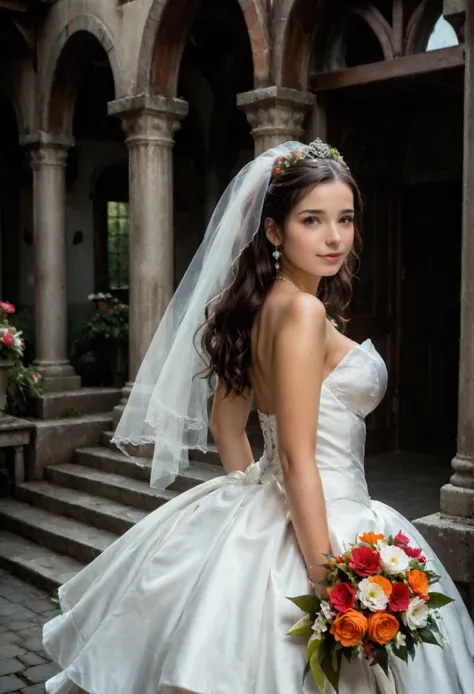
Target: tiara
<point>315,150</point>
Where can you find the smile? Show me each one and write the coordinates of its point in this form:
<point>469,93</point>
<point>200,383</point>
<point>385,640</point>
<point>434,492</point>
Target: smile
<point>332,257</point>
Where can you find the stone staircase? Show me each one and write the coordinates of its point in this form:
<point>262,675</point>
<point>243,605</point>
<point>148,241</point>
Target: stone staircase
<point>55,525</point>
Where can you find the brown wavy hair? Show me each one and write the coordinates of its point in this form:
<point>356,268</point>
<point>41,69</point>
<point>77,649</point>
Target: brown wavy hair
<point>225,335</point>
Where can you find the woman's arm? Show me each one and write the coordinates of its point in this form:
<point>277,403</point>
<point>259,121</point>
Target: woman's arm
<point>298,375</point>
<point>228,422</point>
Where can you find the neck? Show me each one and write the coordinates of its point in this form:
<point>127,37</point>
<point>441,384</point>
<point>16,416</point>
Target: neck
<point>304,281</point>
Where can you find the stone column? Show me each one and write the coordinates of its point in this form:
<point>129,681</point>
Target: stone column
<point>276,115</point>
<point>48,161</point>
<point>150,123</point>
<point>451,532</point>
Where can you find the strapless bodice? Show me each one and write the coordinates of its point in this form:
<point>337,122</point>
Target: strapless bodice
<point>348,394</point>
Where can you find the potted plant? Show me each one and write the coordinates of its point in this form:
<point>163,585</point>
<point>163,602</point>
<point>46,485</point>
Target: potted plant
<point>11,349</point>
<point>103,338</point>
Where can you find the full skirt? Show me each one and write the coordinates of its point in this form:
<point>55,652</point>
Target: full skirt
<point>194,598</point>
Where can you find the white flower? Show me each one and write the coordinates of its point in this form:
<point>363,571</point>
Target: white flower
<point>327,610</point>
<point>416,617</point>
<point>394,559</point>
<point>320,625</point>
<point>100,295</point>
<point>371,596</point>
<point>91,297</point>
<point>400,640</point>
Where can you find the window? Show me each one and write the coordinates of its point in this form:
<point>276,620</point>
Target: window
<point>118,223</point>
<point>442,36</point>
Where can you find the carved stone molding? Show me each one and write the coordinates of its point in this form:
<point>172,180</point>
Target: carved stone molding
<point>149,119</point>
<point>47,149</point>
<point>276,114</point>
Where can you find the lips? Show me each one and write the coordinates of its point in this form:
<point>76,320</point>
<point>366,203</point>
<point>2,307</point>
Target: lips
<point>331,256</point>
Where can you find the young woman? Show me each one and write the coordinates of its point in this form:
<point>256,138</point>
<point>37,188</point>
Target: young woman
<point>194,597</point>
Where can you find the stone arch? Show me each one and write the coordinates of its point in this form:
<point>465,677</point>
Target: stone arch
<point>421,24</point>
<point>165,36</point>
<point>60,84</point>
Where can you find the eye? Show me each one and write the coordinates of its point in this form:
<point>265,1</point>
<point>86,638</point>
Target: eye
<point>311,220</point>
<point>347,219</point>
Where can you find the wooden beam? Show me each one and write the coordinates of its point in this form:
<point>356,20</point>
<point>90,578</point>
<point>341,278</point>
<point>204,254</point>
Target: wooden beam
<point>13,5</point>
<point>405,66</point>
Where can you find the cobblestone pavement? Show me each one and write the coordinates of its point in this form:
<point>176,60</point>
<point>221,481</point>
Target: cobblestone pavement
<point>24,667</point>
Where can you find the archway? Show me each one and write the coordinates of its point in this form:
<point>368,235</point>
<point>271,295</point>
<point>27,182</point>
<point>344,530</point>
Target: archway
<point>402,84</point>
<point>11,174</point>
<point>214,139</point>
<point>166,34</point>
<point>84,78</point>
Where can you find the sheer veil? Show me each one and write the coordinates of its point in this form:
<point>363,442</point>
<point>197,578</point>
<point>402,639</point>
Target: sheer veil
<point>169,404</point>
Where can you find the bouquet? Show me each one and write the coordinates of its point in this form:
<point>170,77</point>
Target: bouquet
<point>11,342</point>
<point>379,603</point>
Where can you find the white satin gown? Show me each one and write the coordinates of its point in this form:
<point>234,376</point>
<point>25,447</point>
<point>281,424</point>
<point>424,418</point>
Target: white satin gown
<point>193,597</point>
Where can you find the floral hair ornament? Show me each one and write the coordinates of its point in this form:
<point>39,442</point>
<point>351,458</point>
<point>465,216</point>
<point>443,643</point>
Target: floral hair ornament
<point>315,150</point>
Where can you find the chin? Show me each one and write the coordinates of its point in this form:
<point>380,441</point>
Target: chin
<point>330,271</point>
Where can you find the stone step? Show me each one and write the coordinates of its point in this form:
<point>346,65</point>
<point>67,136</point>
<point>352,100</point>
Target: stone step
<point>106,460</point>
<point>123,490</point>
<point>42,566</point>
<point>61,534</point>
<point>77,402</point>
<point>86,508</point>
<point>55,440</point>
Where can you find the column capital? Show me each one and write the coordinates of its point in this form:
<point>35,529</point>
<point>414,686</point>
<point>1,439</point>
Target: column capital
<point>276,112</point>
<point>149,119</point>
<point>47,149</point>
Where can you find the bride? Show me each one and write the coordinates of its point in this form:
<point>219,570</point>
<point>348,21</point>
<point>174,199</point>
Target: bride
<point>193,599</point>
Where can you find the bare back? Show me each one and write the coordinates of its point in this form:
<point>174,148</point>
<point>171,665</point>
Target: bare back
<point>266,326</point>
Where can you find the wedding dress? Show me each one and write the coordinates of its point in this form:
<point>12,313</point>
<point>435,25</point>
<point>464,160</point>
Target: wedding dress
<point>194,597</point>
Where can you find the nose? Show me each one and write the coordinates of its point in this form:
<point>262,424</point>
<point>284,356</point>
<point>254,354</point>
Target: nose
<point>333,237</point>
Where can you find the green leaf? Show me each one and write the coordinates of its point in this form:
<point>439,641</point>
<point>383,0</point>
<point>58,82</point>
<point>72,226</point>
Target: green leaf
<point>380,656</point>
<point>324,582</point>
<point>302,627</point>
<point>347,653</point>
<point>427,636</point>
<point>313,645</point>
<point>306,670</point>
<point>307,603</point>
<point>332,674</point>
<point>410,645</point>
<point>438,600</point>
<point>401,653</point>
<point>317,672</point>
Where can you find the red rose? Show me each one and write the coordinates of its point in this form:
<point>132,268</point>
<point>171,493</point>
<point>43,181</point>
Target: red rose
<point>7,339</point>
<point>110,311</point>
<point>401,540</point>
<point>400,598</point>
<point>364,561</point>
<point>414,553</point>
<point>339,559</point>
<point>7,307</point>
<point>342,596</point>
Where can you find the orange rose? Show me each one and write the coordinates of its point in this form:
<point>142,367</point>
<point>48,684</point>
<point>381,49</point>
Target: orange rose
<point>349,627</point>
<point>418,582</point>
<point>384,583</point>
<point>382,627</point>
<point>371,538</point>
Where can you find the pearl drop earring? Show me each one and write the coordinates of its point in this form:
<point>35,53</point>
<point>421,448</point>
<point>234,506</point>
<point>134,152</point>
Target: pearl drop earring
<point>277,255</point>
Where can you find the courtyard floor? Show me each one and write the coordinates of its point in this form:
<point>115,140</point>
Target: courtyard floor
<point>408,482</point>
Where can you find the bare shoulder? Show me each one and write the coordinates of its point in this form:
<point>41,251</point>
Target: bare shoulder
<point>305,312</point>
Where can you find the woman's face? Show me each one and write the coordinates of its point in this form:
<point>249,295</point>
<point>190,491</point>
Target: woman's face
<point>319,232</point>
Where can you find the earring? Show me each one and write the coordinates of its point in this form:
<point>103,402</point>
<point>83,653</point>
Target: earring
<point>277,255</point>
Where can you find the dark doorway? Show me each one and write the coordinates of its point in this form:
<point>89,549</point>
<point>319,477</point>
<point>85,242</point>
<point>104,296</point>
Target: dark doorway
<point>430,267</point>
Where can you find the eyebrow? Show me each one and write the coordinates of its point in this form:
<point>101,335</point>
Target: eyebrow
<point>349,210</point>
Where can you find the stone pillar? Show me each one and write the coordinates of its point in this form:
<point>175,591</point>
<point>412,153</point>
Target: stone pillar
<point>48,161</point>
<point>451,532</point>
<point>276,115</point>
<point>150,123</point>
